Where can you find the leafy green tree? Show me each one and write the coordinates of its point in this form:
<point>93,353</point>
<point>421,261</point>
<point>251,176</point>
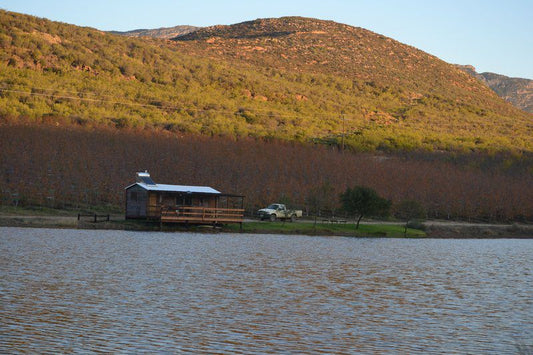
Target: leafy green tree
<point>363,201</point>
<point>408,210</point>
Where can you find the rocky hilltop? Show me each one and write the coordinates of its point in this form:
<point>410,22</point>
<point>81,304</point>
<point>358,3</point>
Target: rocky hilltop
<point>517,91</point>
<point>163,32</point>
<point>312,45</point>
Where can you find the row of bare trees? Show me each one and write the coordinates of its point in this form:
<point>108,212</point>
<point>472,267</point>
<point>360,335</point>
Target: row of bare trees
<point>75,166</point>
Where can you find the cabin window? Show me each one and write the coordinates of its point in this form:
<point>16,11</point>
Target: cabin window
<point>184,201</point>
<point>133,196</point>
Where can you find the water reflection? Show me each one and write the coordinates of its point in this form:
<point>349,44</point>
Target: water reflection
<point>115,291</point>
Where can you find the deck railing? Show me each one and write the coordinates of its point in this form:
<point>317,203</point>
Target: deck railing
<point>202,215</point>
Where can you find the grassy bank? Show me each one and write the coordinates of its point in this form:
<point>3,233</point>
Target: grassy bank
<point>343,229</point>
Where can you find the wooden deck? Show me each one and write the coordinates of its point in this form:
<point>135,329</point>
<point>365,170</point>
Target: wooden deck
<point>202,215</point>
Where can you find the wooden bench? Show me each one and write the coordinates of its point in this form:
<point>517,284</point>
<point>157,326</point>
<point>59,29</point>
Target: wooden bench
<point>334,220</point>
<point>337,220</point>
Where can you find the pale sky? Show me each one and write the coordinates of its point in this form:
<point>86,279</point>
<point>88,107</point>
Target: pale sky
<point>492,35</point>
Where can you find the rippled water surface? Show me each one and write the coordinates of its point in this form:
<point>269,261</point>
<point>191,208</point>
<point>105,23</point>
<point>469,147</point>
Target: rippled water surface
<point>117,291</point>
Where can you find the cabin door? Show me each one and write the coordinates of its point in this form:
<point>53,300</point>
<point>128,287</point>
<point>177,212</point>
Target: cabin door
<point>152,205</point>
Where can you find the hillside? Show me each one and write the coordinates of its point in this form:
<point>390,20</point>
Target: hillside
<point>163,32</point>
<point>517,91</point>
<point>289,78</point>
<point>310,45</point>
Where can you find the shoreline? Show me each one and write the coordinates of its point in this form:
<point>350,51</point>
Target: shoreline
<point>482,231</point>
<point>432,229</point>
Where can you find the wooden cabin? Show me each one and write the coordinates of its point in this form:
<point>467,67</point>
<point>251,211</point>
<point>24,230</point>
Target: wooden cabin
<point>181,204</point>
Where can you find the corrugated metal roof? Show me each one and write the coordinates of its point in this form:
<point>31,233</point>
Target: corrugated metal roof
<point>177,188</point>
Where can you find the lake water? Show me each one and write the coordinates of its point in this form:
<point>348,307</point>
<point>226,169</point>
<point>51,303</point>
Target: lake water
<point>117,291</point>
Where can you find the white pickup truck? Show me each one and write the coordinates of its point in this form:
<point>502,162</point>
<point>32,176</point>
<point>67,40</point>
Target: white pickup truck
<point>278,211</point>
